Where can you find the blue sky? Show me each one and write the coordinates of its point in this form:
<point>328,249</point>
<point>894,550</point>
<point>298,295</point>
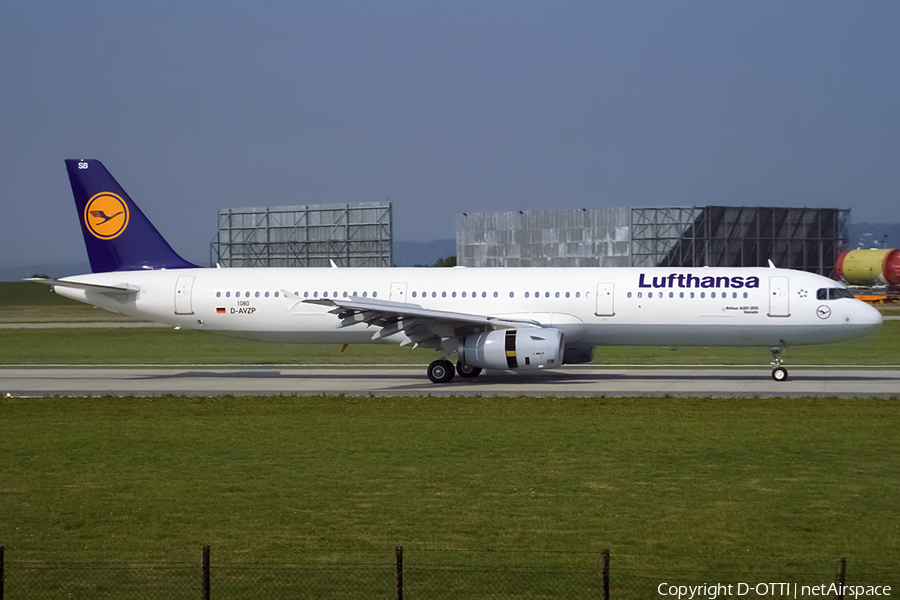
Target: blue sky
<point>443,107</point>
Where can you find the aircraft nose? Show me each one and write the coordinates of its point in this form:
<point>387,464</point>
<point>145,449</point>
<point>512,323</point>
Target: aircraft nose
<point>867,317</point>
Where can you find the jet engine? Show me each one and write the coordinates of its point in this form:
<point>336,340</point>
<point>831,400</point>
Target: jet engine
<point>528,348</point>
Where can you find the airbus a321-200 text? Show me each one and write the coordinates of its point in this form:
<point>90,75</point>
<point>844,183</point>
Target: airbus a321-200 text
<point>515,319</point>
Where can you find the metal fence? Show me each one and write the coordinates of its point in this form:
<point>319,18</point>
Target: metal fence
<point>444,574</point>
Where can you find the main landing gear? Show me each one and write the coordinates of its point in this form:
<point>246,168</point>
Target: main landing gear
<point>779,373</point>
<point>441,371</point>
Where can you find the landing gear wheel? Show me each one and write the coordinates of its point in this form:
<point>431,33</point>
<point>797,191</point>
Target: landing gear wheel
<point>440,371</point>
<point>779,374</point>
<point>465,370</point>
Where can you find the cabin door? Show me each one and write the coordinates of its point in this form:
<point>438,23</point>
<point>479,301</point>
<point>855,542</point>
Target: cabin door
<point>183,288</point>
<point>779,297</point>
<point>398,292</point>
<point>605,295</point>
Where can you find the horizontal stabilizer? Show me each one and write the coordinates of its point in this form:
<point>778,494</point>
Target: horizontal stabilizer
<point>122,288</point>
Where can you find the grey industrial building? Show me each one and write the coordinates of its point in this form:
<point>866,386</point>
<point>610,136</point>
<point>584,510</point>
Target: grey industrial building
<point>808,239</point>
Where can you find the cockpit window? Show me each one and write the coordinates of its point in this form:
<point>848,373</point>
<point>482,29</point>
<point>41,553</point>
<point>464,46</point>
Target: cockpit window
<point>833,293</point>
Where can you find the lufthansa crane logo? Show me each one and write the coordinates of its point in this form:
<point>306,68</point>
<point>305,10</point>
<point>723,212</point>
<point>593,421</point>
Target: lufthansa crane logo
<point>106,215</point>
<point>823,312</point>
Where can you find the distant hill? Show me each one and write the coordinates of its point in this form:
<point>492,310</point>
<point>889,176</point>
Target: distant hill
<point>869,235</point>
<point>410,254</point>
<point>61,270</point>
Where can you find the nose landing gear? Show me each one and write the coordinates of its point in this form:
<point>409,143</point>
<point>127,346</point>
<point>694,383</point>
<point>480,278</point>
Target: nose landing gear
<point>779,373</point>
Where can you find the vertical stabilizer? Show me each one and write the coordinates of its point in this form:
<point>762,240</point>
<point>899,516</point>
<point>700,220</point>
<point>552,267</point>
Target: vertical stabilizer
<point>117,235</point>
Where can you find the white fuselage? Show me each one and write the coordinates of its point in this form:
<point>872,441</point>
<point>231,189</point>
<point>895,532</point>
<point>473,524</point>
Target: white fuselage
<point>592,306</point>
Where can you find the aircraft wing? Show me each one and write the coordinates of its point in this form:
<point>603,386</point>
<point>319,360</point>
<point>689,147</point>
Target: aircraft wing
<point>122,288</point>
<point>418,325</point>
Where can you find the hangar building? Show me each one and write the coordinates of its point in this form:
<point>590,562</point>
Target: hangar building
<point>809,239</point>
<point>352,235</point>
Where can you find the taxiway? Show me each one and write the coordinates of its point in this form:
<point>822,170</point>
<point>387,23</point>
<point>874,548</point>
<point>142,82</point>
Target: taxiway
<point>573,381</point>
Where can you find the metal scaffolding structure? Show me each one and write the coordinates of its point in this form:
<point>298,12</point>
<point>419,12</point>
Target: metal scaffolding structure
<point>808,239</point>
<point>655,232</point>
<point>351,235</point>
<point>544,238</point>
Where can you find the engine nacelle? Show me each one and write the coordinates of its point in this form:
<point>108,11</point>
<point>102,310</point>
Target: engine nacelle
<point>530,348</point>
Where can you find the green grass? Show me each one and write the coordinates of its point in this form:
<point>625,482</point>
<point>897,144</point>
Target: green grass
<point>30,302</point>
<point>708,486</point>
<point>166,346</point>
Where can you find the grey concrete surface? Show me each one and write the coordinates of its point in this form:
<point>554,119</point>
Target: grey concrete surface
<point>576,381</point>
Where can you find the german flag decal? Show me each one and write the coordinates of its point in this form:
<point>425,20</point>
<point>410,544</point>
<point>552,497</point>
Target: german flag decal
<point>220,310</point>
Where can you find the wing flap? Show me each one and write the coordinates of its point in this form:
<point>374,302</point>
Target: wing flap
<point>386,310</point>
<point>420,326</point>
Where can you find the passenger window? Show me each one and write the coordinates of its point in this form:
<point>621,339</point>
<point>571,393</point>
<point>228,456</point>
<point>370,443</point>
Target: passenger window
<point>453,294</point>
<point>649,294</point>
<point>703,294</point>
<point>692,294</point>
<point>218,294</point>
<point>276,294</point>
<point>512,295</point>
<point>567,295</point>
<point>434,294</point>
<point>496,294</point>
<point>629,294</point>
<point>228,294</point>
<point>671,294</point>
<point>713,295</point>
<point>526,294</point>
<point>578,294</point>
<point>443,294</point>
<point>745,294</point>
<point>681,294</point>
<point>639,295</point>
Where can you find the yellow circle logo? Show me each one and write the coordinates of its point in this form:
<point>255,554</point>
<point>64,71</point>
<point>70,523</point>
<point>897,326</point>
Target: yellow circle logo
<point>106,215</point>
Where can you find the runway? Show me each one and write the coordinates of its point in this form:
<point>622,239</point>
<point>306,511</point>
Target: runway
<point>576,381</point>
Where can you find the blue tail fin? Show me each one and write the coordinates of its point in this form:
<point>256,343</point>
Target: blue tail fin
<point>117,235</point>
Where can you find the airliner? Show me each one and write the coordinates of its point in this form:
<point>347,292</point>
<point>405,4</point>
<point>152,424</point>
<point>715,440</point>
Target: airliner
<point>510,319</point>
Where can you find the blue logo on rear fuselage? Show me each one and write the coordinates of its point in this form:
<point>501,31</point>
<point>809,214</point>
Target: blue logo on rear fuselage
<point>685,280</point>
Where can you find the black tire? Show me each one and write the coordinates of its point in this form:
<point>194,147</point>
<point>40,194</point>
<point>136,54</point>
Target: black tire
<point>465,370</point>
<point>440,371</point>
<point>779,374</point>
